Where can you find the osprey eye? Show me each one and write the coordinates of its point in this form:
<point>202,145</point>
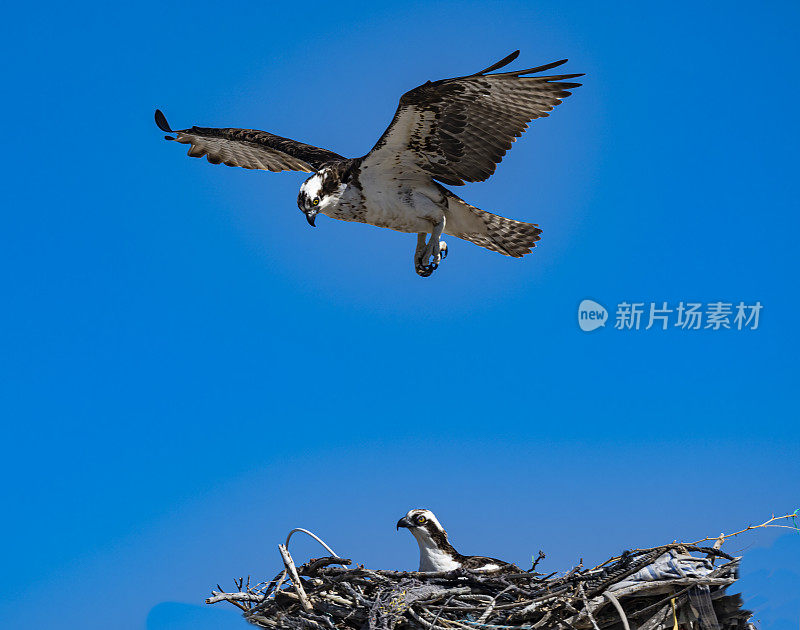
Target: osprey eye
<point>421,519</point>
<point>315,202</point>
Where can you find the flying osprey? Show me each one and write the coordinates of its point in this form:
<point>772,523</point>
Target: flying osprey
<point>450,131</point>
<point>436,553</point>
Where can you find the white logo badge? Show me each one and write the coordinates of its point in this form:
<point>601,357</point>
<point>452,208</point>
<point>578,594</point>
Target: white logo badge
<point>591,315</point>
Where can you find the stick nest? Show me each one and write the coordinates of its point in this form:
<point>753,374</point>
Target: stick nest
<point>320,596</point>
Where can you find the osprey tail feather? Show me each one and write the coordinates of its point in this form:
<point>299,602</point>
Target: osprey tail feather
<point>496,233</point>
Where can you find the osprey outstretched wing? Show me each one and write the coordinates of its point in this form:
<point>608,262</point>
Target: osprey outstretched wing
<point>458,130</point>
<point>249,148</point>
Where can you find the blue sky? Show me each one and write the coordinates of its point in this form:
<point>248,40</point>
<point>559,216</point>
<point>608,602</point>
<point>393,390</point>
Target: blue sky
<point>189,370</point>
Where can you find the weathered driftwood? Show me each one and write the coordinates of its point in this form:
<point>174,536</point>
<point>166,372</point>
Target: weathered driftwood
<point>320,596</point>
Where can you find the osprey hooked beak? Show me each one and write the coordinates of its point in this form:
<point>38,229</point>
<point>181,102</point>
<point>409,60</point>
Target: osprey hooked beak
<point>405,522</point>
<point>311,216</point>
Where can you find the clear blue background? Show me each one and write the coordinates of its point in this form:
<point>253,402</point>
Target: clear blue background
<point>189,370</point>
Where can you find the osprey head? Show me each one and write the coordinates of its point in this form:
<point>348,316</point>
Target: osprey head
<point>318,193</point>
<point>435,552</point>
<point>420,520</point>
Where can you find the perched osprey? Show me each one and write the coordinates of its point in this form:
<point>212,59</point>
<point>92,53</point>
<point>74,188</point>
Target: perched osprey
<point>450,131</point>
<point>436,553</point>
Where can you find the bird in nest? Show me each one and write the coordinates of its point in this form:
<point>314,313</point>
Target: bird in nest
<point>449,131</point>
<point>435,551</point>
